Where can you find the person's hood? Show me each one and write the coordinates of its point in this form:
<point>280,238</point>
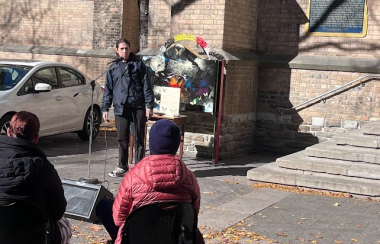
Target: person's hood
<point>20,161</point>
<point>162,171</point>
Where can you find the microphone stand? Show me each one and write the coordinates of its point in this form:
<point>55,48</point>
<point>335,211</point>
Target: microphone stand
<point>89,179</point>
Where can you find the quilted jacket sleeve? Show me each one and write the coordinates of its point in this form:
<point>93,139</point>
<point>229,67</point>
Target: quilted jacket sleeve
<point>123,202</point>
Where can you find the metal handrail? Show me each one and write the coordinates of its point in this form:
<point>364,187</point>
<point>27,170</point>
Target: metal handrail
<point>330,92</point>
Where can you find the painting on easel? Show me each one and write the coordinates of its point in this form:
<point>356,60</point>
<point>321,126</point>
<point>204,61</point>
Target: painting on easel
<point>183,68</point>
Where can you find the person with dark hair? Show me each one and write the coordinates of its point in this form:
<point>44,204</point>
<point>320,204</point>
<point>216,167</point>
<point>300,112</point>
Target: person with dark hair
<point>129,89</point>
<point>160,177</point>
<point>26,173</point>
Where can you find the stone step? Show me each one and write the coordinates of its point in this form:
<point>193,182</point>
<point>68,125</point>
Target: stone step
<point>299,161</point>
<point>273,174</point>
<point>358,139</point>
<point>372,128</point>
<point>330,150</point>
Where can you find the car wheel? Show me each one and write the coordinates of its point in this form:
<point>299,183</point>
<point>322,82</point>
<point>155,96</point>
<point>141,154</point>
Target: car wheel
<point>84,134</point>
<point>5,123</point>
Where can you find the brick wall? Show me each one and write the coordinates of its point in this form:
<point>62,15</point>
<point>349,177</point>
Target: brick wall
<point>279,24</point>
<point>202,18</point>
<point>239,108</point>
<point>240,23</point>
<point>107,23</point>
<point>47,23</point>
<point>159,23</point>
<point>290,131</point>
<point>130,24</point>
<point>281,29</point>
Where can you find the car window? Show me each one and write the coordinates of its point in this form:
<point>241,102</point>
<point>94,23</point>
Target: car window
<point>70,77</point>
<point>27,88</point>
<point>46,75</point>
<point>10,76</point>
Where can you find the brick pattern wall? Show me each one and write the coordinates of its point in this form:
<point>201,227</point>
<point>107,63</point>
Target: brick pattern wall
<point>159,23</point>
<point>239,109</point>
<point>279,24</point>
<point>130,24</point>
<point>240,88</point>
<point>293,131</point>
<point>240,23</point>
<point>281,29</point>
<point>47,23</point>
<point>107,23</point>
<point>202,18</point>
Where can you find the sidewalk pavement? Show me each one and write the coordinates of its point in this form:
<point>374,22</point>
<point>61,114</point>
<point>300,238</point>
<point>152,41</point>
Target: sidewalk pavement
<point>233,210</point>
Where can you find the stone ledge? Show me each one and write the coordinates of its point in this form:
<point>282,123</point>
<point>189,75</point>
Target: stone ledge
<point>367,65</point>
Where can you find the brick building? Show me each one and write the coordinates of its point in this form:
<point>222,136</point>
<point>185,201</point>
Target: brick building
<point>272,62</point>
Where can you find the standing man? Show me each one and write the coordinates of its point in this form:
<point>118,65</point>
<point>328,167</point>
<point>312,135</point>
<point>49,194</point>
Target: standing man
<point>129,89</point>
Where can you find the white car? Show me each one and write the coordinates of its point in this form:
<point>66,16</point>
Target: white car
<point>60,95</point>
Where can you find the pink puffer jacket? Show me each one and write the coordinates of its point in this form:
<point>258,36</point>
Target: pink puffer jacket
<point>157,178</point>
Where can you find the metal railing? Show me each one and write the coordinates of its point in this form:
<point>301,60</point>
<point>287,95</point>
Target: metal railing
<point>331,93</point>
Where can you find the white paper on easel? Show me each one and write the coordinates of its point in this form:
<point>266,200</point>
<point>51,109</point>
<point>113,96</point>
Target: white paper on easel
<point>170,100</point>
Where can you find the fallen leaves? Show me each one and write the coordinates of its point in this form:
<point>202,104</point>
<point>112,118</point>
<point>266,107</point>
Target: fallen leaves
<point>95,227</point>
<point>231,236</point>
<point>280,233</point>
<point>300,190</point>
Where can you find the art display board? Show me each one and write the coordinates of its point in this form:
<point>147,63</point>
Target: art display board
<point>180,67</point>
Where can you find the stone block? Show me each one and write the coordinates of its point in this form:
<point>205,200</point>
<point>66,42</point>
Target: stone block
<point>318,121</point>
<point>316,128</point>
<point>269,125</point>
<point>350,124</point>
<point>304,128</point>
<point>282,135</point>
<point>284,118</point>
<point>266,116</point>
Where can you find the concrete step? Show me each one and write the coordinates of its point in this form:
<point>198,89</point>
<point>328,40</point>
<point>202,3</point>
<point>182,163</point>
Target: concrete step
<point>273,174</point>
<point>330,150</point>
<point>372,128</point>
<point>298,161</point>
<point>358,139</point>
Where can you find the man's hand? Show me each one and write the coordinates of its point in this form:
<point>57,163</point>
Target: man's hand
<point>105,117</point>
<point>149,113</point>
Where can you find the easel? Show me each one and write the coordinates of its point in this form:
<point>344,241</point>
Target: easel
<point>180,121</point>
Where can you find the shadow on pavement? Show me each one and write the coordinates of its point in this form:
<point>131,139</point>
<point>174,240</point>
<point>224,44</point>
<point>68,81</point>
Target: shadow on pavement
<point>70,144</point>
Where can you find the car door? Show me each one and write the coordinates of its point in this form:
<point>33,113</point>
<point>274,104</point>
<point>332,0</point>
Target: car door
<point>48,106</point>
<point>77,97</point>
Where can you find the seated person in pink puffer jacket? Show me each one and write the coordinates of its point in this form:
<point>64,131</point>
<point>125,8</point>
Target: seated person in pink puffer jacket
<point>160,177</point>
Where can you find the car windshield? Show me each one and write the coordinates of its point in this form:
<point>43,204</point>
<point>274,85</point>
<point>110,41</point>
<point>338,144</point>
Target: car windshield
<point>11,75</point>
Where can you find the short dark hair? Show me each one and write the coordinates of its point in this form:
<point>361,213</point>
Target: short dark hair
<point>122,40</point>
<point>24,125</point>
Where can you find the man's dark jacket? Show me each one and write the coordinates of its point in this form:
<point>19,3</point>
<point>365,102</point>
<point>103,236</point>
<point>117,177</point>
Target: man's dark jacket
<point>26,173</point>
<point>130,87</point>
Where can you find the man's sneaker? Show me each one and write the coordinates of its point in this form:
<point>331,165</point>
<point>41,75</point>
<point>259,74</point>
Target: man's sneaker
<point>118,172</point>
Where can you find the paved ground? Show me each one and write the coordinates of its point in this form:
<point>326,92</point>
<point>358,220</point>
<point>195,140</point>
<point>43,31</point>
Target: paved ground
<point>232,209</point>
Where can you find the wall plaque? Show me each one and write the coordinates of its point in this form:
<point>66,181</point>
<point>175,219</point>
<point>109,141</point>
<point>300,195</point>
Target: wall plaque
<point>337,18</point>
